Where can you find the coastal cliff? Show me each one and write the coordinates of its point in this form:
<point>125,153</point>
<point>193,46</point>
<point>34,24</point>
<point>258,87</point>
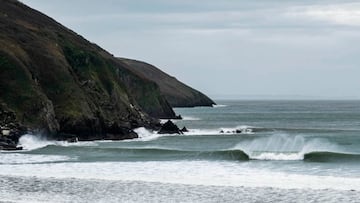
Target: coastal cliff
<point>177,93</point>
<point>55,82</point>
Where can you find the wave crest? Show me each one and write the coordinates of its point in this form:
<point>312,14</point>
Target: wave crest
<point>327,156</point>
<point>294,148</point>
<point>33,142</point>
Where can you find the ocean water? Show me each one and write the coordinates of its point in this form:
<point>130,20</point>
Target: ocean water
<point>238,151</point>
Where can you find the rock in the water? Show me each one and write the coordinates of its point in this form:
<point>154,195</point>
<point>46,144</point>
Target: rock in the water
<point>8,144</point>
<point>237,131</point>
<point>169,128</point>
<point>10,130</point>
<point>184,130</point>
<point>9,147</point>
<point>72,139</point>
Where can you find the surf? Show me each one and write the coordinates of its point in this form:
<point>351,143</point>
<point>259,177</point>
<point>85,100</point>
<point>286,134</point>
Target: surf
<point>32,142</point>
<point>283,147</point>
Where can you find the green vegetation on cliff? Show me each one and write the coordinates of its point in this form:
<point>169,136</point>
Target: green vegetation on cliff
<point>59,83</point>
<point>176,93</point>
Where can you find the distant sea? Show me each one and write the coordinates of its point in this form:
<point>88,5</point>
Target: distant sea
<point>238,151</point>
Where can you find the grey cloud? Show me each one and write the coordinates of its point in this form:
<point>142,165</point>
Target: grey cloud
<point>245,47</point>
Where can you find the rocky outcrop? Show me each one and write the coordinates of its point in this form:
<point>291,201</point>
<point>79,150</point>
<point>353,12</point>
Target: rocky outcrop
<point>169,128</point>
<point>177,93</point>
<point>184,130</point>
<point>10,130</point>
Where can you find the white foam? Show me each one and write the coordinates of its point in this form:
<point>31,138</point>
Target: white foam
<point>221,131</point>
<point>184,172</point>
<point>190,118</point>
<point>145,135</point>
<point>278,156</point>
<point>19,158</point>
<point>32,142</point>
<point>244,129</point>
<point>202,132</point>
<point>148,135</point>
<point>284,147</point>
<point>219,105</point>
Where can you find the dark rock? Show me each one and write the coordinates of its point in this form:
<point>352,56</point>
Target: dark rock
<point>169,128</point>
<point>9,147</point>
<point>10,130</point>
<point>8,144</point>
<point>238,131</point>
<point>184,130</point>
<point>222,131</point>
<point>72,139</point>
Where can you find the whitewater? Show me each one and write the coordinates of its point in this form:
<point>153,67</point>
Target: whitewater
<point>248,151</point>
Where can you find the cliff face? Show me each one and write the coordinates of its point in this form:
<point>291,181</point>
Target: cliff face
<point>177,93</point>
<point>147,94</point>
<point>56,81</point>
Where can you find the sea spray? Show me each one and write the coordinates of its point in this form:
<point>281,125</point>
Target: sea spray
<point>285,147</point>
<point>32,142</point>
<point>145,135</point>
<point>242,129</point>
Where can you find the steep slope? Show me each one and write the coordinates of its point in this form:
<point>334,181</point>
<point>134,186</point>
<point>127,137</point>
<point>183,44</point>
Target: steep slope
<point>57,82</point>
<point>177,93</point>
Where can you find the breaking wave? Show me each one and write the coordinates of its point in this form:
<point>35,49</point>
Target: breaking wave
<point>279,147</point>
<point>314,156</point>
<point>32,142</point>
<point>292,148</point>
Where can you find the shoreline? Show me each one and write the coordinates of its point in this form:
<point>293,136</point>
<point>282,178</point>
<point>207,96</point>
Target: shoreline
<point>92,190</point>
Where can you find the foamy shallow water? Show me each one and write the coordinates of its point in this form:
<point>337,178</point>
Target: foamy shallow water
<point>183,172</point>
<point>286,152</point>
<point>33,189</point>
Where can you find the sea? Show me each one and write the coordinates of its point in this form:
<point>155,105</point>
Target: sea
<point>236,151</point>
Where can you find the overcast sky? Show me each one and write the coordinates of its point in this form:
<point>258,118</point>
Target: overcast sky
<point>232,49</point>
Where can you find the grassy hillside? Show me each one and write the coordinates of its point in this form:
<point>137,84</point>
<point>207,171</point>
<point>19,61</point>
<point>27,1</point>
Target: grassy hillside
<point>177,93</point>
<point>58,82</point>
